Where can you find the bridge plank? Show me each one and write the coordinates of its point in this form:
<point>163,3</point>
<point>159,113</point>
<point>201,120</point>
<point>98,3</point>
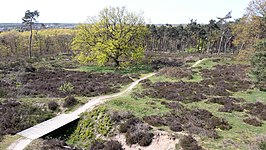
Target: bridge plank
<point>48,126</point>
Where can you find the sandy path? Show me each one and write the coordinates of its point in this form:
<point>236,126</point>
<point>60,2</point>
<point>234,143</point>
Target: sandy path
<point>198,62</point>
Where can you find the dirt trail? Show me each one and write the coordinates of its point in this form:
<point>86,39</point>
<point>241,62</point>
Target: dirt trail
<point>198,62</point>
<point>22,142</point>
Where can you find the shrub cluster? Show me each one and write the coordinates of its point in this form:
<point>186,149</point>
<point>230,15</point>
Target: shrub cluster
<point>174,72</point>
<point>136,132</point>
<point>189,143</point>
<point>160,63</point>
<point>52,105</point>
<point>253,121</point>
<point>230,107</point>
<point>257,109</point>
<point>197,121</point>
<point>106,145</point>
<point>56,144</point>
<point>70,101</point>
<point>217,82</point>
<point>61,83</point>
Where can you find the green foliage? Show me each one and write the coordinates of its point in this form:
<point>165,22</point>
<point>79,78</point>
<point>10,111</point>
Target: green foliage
<point>191,50</point>
<point>45,41</point>
<point>30,17</point>
<point>115,34</point>
<point>262,145</point>
<point>66,87</point>
<point>138,106</point>
<point>260,45</point>
<point>3,93</point>
<point>8,140</point>
<point>92,125</point>
<point>252,95</point>
<point>258,61</point>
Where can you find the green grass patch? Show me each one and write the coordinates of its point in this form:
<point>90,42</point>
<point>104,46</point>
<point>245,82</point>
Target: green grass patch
<point>8,140</point>
<point>207,64</point>
<point>252,95</point>
<point>94,68</point>
<point>162,78</point>
<point>39,100</point>
<point>83,99</point>
<point>139,107</point>
<point>210,63</point>
<point>196,77</point>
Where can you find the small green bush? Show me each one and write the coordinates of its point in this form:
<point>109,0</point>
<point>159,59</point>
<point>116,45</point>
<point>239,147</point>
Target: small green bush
<point>192,50</point>
<point>66,87</point>
<point>92,125</point>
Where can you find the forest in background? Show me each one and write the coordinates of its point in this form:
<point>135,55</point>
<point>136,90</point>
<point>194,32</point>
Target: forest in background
<point>218,36</point>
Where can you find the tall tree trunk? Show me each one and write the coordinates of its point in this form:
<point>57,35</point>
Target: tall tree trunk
<point>30,42</point>
<point>220,44</point>
<point>227,43</point>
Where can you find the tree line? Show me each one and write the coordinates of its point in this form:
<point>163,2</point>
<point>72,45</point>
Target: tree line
<point>44,42</point>
<point>116,34</point>
<point>214,37</point>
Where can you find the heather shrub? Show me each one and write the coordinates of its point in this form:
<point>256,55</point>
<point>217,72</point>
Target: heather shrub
<point>70,101</point>
<point>189,143</point>
<point>52,105</point>
<point>16,116</point>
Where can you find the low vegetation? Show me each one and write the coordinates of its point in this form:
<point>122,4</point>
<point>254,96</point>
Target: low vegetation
<point>16,116</point>
<point>204,106</point>
<point>92,126</point>
<point>218,104</point>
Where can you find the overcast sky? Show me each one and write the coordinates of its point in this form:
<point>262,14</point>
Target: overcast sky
<point>156,11</point>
